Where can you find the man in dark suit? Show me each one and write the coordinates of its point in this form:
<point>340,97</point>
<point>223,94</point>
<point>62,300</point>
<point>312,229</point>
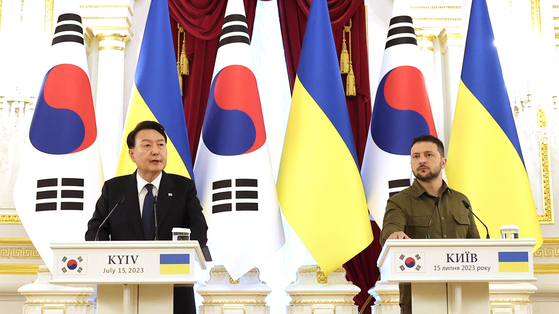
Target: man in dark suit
<point>149,186</point>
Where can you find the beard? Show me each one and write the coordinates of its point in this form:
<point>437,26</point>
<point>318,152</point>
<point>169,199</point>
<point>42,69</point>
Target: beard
<point>429,176</point>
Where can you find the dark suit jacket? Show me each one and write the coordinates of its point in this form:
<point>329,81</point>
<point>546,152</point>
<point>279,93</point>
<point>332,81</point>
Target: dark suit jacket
<point>177,206</point>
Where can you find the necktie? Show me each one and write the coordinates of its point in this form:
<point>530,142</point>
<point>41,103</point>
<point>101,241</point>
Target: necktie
<point>148,221</point>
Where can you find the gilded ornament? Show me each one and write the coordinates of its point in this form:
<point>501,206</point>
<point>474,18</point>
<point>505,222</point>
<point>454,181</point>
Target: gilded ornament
<point>547,252</point>
<point>10,219</point>
<point>19,253</point>
<point>221,302</point>
<point>546,269</point>
<point>307,302</point>
<point>48,16</point>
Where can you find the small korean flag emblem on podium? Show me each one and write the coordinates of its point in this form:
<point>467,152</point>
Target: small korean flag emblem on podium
<point>410,262</point>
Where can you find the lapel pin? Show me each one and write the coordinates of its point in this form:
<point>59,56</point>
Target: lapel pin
<point>170,194</point>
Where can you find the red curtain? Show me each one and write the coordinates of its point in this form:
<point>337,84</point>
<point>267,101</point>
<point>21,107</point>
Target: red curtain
<point>362,269</point>
<point>202,21</point>
<point>293,19</point>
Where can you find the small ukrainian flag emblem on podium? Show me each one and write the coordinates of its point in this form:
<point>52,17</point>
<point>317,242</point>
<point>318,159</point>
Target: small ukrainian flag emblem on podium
<point>510,262</point>
<point>175,264</point>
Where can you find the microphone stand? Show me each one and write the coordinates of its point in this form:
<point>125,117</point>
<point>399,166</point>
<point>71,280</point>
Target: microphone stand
<point>471,211</point>
<point>120,200</point>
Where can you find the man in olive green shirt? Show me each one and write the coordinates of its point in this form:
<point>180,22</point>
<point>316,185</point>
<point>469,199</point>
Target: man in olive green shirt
<point>429,209</point>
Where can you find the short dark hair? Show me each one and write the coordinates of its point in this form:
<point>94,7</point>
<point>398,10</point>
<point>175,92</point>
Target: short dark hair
<point>432,139</point>
<point>144,125</point>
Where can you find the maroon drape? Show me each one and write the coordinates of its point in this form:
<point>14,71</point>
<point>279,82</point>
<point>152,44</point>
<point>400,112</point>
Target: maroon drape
<point>293,19</point>
<point>202,21</point>
<point>362,269</point>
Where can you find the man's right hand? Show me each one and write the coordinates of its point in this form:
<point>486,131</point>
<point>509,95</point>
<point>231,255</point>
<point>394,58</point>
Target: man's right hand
<point>398,235</point>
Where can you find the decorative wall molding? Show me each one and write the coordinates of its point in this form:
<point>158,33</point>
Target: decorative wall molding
<point>49,4</point>
<point>10,219</point>
<point>18,269</point>
<point>546,269</point>
<point>19,253</point>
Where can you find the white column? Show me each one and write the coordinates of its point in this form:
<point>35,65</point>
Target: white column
<point>452,53</point>
<point>111,26</point>
<point>511,298</point>
<point>223,295</point>
<point>431,69</point>
<point>109,109</point>
<point>44,297</point>
<point>387,298</point>
<point>315,293</point>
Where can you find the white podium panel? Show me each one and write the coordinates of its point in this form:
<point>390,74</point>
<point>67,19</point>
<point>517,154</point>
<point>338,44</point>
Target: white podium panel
<point>132,277</point>
<point>453,275</point>
<point>470,260</point>
<point>126,262</point>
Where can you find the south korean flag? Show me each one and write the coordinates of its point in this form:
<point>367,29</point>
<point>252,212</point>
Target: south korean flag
<point>410,262</point>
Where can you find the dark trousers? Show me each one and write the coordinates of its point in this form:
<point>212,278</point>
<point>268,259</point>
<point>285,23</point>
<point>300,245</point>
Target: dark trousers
<point>183,300</point>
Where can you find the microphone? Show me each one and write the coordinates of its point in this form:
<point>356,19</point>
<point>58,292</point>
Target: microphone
<point>155,215</point>
<point>120,200</point>
<point>428,236</point>
<point>471,211</point>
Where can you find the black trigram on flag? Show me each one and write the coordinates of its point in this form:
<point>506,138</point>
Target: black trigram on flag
<point>48,194</point>
<point>395,186</point>
<point>400,31</point>
<point>69,29</point>
<point>235,30</point>
<point>244,195</point>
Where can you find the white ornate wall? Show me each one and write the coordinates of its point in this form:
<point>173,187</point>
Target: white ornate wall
<point>527,39</point>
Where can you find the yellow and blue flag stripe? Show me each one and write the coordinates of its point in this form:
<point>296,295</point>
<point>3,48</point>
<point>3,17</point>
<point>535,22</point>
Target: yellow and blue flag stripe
<point>513,262</point>
<point>319,185</point>
<point>484,157</point>
<point>174,264</point>
<point>156,94</point>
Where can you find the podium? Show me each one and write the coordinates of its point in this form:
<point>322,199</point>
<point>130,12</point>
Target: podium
<point>132,277</point>
<point>453,275</point>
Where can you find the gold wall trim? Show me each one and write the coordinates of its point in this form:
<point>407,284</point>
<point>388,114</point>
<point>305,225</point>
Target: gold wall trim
<point>19,253</point>
<point>222,302</point>
<point>536,17</point>
<point>19,269</point>
<point>69,302</point>
<point>107,7</point>
<point>10,219</point>
<point>427,48</point>
<point>318,301</point>
<point>49,6</point>
<point>547,252</point>
<point>111,48</point>
<point>547,217</point>
<point>15,241</point>
<point>551,241</point>
<point>546,269</point>
<point>0,14</point>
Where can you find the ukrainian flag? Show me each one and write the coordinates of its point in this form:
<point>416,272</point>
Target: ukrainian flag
<point>156,94</point>
<point>513,262</point>
<point>484,157</point>
<point>174,264</point>
<point>319,185</point>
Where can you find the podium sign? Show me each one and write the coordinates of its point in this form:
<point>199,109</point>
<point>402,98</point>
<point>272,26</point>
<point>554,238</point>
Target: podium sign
<point>443,260</point>
<point>126,262</point>
<point>453,275</point>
